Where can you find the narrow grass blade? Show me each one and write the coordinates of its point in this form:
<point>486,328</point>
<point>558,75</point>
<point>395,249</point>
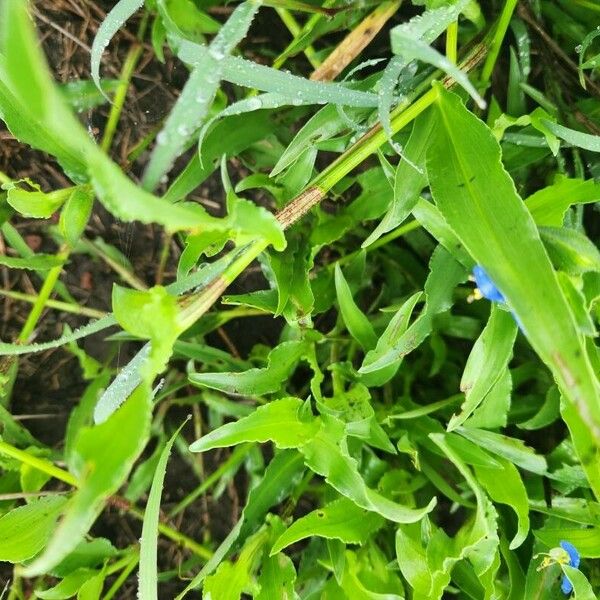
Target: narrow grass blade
<point>37,262</point>
<point>411,41</point>
<point>194,102</point>
<point>89,329</point>
<point>114,20</point>
<point>574,137</point>
<point>147,578</point>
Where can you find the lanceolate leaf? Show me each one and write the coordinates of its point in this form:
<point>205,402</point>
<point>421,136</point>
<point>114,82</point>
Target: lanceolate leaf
<point>355,320</point>
<point>193,104</point>
<point>445,274</point>
<point>494,226</point>
<point>256,382</point>
<point>277,421</point>
<point>340,520</point>
<point>114,20</point>
<point>487,362</point>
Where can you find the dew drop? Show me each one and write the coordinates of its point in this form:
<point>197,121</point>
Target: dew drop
<point>162,138</point>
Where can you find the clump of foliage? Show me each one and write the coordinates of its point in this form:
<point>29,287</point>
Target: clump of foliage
<point>402,433</point>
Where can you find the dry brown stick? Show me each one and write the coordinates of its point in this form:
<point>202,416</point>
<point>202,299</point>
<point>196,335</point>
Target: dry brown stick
<point>355,42</point>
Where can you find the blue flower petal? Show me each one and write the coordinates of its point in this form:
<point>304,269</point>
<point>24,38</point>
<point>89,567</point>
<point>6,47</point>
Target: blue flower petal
<point>486,285</point>
<point>574,558</point>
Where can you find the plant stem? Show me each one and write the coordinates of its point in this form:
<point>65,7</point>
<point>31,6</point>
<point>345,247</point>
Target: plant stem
<point>123,272</point>
<point>41,464</point>
<point>452,42</point>
<point>500,32</point>
<point>57,304</point>
<point>127,71</point>
<point>40,302</point>
<point>290,22</point>
<point>402,115</point>
<point>13,237</point>
<point>122,578</point>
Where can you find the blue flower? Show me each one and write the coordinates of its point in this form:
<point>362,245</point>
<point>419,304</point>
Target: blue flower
<point>574,559</point>
<point>565,554</point>
<point>486,286</point>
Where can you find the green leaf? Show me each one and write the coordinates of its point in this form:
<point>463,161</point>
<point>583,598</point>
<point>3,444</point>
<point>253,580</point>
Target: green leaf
<point>492,223</point>
<point>247,221</point>
<point>340,520</point>
<point>297,89</point>
<point>277,421</point>
<point>30,104</point>
<point>37,262</point>
<point>68,587</point>
<point>128,202</point>
<point>130,376</point>
<point>582,589</point>
<point>147,578</point>
<point>445,274</point>
<point>36,204</point>
<point>354,407</point>
<point>82,94</point>
<point>408,181</point>
<point>549,205</point>
<point>480,540</point>
<point>71,336</point>
<point>277,578</point>
<point>75,215</point>
<point>113,21</point>
<point>574,137</point>
<point>323,125</point>
<point>291,270</point>
<point>506,486</point>
<point>231,579</point>
<point>102,458</point>
<point>327,455</point>
<point>86,555</point>
<point>510,448</point>
<point>355,320</point>
<point>25,530</point>
<point>547,414</point>
<point>197,95</point>
<point>154,315</point>
<point>493,411</point>
<point>570,250</point>
<point>393,332</point>
<point>411,41</point>
<point>92,588</point>
<point>487,362</point>
<point>281,476</point>
<point>282,361</point>
<point>587,541</point>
